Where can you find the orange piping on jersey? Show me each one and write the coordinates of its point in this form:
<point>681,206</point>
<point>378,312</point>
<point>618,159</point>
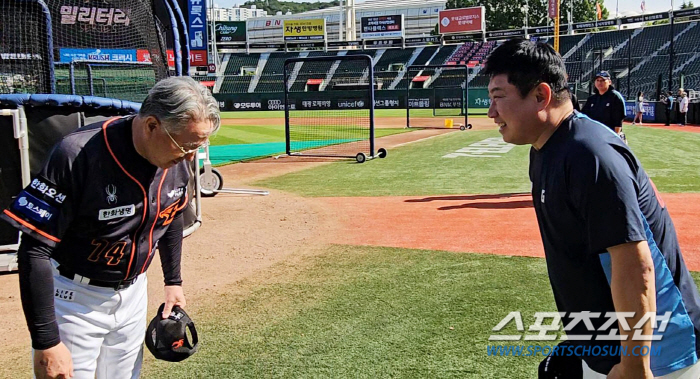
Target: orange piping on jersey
<point>32,227</point>
<point>155,221</point>
<point>145,196</point>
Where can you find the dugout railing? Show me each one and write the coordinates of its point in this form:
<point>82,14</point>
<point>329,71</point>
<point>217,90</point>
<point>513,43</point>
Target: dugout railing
<point>437,97</point>
<point>330,112</point>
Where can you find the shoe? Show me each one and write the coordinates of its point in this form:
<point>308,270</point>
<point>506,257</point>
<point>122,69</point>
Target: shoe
<point>633,124</point>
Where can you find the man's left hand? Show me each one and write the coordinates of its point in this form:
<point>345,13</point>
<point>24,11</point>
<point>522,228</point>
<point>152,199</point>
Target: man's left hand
<point>173,296</point>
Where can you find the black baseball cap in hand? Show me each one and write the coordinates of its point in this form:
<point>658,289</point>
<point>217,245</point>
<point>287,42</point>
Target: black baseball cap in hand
<point>167,338</point>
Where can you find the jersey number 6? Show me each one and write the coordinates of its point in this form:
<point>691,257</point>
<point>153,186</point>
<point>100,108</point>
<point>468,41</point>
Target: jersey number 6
<point>112,252</point>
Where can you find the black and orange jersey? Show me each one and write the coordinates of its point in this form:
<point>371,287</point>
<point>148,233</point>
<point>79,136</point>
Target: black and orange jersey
<point>99,204</point>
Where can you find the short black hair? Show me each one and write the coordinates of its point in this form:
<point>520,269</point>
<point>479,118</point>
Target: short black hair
<point>528,64</point>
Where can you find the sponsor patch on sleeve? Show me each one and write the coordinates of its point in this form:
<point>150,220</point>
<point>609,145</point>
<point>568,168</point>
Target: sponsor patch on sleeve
<point>33,208</point>
<point>44,188</point>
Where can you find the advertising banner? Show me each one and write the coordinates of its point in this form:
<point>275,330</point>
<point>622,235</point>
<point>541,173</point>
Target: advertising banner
<point>594,24</point>
<point>644,18</point>
<point>382,27</point>
<point>305,30</point>
<point>198,58</point>
<point>143,55</point>
<point>230,31</point>
<point>506,33</point>
<point>381,43</point>
<point>686,12</point>
<point>649,110</point>
<point>462,20</point>
<point>552,8</point>
<point>89,23</point>
<point>420,40</point>
<point>197,27</point>
<point>107,55</point>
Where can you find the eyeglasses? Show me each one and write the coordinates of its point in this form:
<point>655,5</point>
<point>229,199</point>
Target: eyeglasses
<point>182,149</point>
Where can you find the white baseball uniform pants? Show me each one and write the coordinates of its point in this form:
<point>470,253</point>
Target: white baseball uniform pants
<point>102,328</point>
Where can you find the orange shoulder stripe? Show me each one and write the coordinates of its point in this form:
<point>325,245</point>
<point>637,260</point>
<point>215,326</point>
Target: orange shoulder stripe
<point>31,227</point>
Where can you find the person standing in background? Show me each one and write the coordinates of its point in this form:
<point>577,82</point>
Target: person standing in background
<point>638,107</point>
<point>606,105</point>
<point>683,108</point>
<point>668,101</point>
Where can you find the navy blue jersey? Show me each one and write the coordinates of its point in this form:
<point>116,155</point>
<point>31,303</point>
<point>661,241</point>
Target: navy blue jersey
<point>608,108</point>
<point>591,193</point>
<point>99,204</point>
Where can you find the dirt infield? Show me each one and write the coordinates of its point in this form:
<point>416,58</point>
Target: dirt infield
<point>496,224</point>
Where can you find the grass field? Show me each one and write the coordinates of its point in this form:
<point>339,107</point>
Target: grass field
<point>354,311</point>
<point>250,134</point>
<point>377,113</point>
<point>366,312</point>
<point>669,157</point>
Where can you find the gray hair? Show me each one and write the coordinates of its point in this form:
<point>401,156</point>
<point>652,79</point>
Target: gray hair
<point>179,100</point>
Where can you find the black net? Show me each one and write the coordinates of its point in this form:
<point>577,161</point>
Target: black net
<point>25,63</point>
<point>125,81</point>
<point>117,47</point>
<point>437,96</point>
<point>330,117</point>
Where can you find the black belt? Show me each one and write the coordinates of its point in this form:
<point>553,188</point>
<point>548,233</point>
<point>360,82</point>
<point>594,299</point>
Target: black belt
<point>120,285</point>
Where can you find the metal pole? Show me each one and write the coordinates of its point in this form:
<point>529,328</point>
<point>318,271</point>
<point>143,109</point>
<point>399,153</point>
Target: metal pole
<point>371,105</point>
<point>89,78</point>
<point>670,52</point>
<point>629,65</point>
<point>286,110</point>
<point>408,90</point>
<point>466,96</point>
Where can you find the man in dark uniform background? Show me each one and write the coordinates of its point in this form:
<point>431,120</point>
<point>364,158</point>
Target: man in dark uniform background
<point>107,196</point>
<point>606,105</point>
<point>609,241</point>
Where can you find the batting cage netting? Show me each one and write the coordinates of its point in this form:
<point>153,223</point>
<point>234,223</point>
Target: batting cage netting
<point>111,48</point>
<point>329,106</point>
<point>437,96</point>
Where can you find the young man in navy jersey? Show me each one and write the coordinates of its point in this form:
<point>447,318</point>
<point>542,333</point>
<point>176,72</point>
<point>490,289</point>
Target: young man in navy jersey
<point>609,241</point>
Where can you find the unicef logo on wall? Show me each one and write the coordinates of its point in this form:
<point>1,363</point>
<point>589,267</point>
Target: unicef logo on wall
<point>445,21</point>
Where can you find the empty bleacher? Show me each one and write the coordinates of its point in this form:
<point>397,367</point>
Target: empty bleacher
<point>383,71</point>
<point>234,81</point>
<point>312,70</point>
<point>272,76</point>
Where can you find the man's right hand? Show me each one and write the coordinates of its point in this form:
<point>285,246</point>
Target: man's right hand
<point>54,362</point>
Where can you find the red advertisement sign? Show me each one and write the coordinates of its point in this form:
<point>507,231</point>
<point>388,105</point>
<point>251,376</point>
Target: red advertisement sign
<point>553,8</point>
<point>461,20</point>
<point>143,55</point>
<point>198,58</point>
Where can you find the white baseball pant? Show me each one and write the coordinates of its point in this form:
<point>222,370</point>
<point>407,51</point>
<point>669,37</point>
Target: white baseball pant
<point>102,328</point>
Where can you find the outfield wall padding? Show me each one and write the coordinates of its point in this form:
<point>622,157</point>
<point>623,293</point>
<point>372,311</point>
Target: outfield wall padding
<point>385,99</point>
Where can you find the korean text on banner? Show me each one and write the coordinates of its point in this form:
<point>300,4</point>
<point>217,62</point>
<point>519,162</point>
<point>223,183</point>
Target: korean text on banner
<point>462,20</point>
<point>304,30</point>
